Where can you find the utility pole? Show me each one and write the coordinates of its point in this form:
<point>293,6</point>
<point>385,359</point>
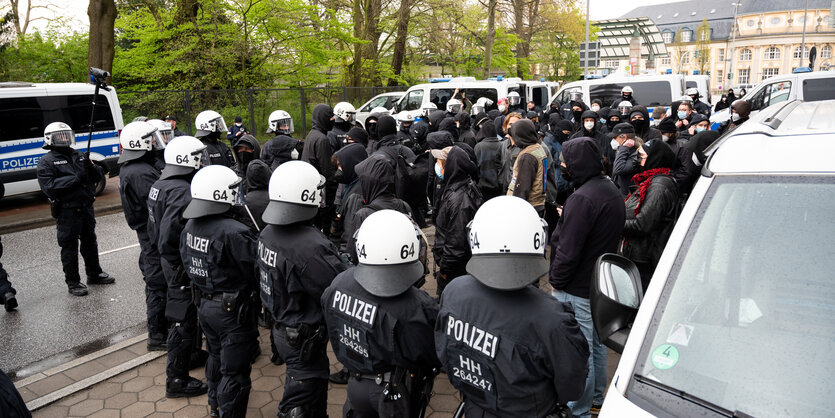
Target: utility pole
<point>729,57</point>
<point>586,68</point>
<point>803,37</point>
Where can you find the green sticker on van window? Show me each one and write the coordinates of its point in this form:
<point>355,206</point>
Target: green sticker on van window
<point>665,357</point>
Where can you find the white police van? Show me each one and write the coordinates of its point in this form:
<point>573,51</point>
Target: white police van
<point>26,109</point>
<point>737,320</point>
<point>648,90</point>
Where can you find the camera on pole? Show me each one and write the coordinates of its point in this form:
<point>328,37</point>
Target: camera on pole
<point>99,78</point>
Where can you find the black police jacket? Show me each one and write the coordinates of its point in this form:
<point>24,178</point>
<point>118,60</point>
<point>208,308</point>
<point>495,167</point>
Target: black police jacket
<point>218,254</point>
<point>68,177</point>
<point>371,334</point>
<point>167,200</point>
<point>219,152</point>
<point>136,178</point>
<point>295,265</point>
<point>510,353</point>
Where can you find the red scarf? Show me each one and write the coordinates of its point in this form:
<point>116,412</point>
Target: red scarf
<point>643,180</point>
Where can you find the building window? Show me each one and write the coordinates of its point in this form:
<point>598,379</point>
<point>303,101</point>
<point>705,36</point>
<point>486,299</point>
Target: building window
<point>665,61</point>
<point>772,53</point>
<point>611,64</point>
<point>685,58</point>
<point>720,54</point>
<point>775,20</point>
<point>745,55</point>
<point>667,36</point>
<point>770,72</point>
<point>686,35</point>
<point>796,54</point>
<point>719,74</point>
<point>826,52</point>
<point>742,77</point>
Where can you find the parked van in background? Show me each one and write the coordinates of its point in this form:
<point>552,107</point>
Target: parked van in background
<point>648,90</point>
<point>386,100</point>
<point>701,82</point>
<point>26,109</point>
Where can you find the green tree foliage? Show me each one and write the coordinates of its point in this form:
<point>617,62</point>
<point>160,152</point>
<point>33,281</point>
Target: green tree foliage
<point>555,47</point>
<point>45,58</point>
<point>703,47</point>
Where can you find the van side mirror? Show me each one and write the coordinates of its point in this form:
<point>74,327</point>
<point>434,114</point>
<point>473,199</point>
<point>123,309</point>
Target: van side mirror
<point>616,294</point>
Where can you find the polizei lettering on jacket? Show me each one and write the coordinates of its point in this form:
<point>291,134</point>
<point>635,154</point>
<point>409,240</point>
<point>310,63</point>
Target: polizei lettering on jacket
<point>475,337</point>
<point>354,307</point>
<point>266,255</point>
<point>197,243</point>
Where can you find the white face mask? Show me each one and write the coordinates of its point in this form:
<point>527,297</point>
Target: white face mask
<point>696,160</point>
<point>735,117</point>
<point>294,154</point>
<point>595,108</point>
<point>614,144</point>
<point>502,108</point>
<point>665,138</point>
<point>588,125</point>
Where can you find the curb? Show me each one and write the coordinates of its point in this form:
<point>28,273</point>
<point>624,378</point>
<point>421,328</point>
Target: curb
<point>18,226</point>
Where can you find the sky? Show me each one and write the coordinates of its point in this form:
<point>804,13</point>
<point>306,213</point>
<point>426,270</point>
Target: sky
<point>76,10</point>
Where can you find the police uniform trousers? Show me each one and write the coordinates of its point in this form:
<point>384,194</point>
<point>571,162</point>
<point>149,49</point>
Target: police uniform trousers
<point>5,284</point>
<point>74,225</point>
<point>11,403</point>
<point>364,397</point>
<point>182,313</point>
<point>306,384</point>
<point>232,345</point>
<point>155,285</point>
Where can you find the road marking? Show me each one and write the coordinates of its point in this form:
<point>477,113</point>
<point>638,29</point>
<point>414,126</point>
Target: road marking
<point>118,249</point>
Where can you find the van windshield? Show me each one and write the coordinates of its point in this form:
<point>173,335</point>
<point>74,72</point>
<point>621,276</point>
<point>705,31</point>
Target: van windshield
<point>26,117</point>
<point>815,89</point>
<point>647,93</point>
<point>745,322</point>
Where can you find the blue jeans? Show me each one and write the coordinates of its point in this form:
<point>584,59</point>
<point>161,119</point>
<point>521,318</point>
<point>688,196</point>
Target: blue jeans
<point>596,379</point>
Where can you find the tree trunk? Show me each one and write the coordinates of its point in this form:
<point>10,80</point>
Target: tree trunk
<point>400,40</point>
<point>102,14</point>
<point>186,11</point>
<point>355,68</point>
<point>491,37</point>
<point>523,9</point>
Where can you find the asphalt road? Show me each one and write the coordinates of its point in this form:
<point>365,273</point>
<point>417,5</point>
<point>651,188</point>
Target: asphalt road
<point>50,320</point>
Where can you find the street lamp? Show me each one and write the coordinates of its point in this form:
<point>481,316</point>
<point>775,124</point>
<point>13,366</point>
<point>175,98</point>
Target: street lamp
<point>730,56</point>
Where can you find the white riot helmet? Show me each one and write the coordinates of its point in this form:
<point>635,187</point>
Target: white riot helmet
<point>183,155</point>
<point>166,132</point>
<point>344,112</point>
<point>388,250</point>
<point>480,105</point>
<point>513,98</point>
<point>58,134</point>
<point>626,89</point>
<point>428,108</point>
<point>137,138</point>
<point>685,99</point>
<point>214,189</point>
<point>295,193</point>
<point>624,107</point>
<point>209,121</point>
<point>280,123</point>
<point>692,91</point>
<point>380,109</point>
<point>575,96</point>
<point>507,238</point>
<point>454,106</point>
<point>404,117</point>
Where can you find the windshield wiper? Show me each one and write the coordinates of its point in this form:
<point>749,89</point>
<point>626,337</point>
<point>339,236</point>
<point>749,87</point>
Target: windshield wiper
<point>691,398</point>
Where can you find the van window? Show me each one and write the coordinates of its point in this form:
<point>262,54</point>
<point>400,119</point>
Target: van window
<point>647,93</point>
<point>475,94</point>
<point>413,100</point>
<point>744,321</point>
<point>689,84</point>
<point>540,96</point>
<point>441,96</point>
<point>815,89</point>
<point>26,117</point>
<point>377,101</point>
<point>770,94</point>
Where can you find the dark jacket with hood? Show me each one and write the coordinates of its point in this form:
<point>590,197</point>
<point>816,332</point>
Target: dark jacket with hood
<point>243,159</point>
<point>459,202</point>
<point>349,157</point>
<point>530,170</point>
<point>596,132</point>
<point>279,150</point>
<point>465,134</point>
<point>371,128</point>
<point>643,130</point>
<point>448,125</point>
<point>691,157</point>
<point>743,108</point>
<point>376,183</point>
<point>257,196</point>
<point>337,135</point>
<point>490,154</point>
<point>652,206</point>
<point>591,223</point>
<point>317,148</point>
<point>388,143</point>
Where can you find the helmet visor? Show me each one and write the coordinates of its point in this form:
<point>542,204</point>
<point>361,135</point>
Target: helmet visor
<point>220,125</point>
<point>200,158</point>
<point>237,192</point>
<point>284,126</point>
<point>166,135</point>
<point>576,96</point>
<point>624,110</point>
<point>157,140</point>
<point>62,139</point>
<point>477,109</point>
<point>514,100</point>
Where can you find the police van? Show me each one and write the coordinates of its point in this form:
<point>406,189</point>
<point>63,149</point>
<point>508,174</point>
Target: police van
<point>648,90</point>
<point>441,90</point>
<point>27,108</point>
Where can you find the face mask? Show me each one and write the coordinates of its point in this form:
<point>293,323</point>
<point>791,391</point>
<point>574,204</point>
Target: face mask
<point>564,172</point>
<point>438,172</point>
<point>502,108</point>
<point>595,108</point>
<point>339,176</point>
<point>696,160</point>
<point>665,138</point>
<point>294,154</point>
<point>682,114</point>
<point>614,144</point>
<point>602,120</point>
<point>735,117</point>
<point>588,125</point>
<point>700,129</point>
<point>640,125</point>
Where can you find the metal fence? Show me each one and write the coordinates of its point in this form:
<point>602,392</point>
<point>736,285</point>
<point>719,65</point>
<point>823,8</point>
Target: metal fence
<point>252,105</point>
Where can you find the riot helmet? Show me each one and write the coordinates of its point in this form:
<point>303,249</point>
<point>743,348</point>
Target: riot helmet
<point>454,106</point>
<point>388,250</point>
<point>344,112</point>
<point>624,107</point>
<point>166,132</point>
<point>513,98</point>
<point>428,108</point>
<point>137,138</point>
<point>295,193</point>
<point>280,122</point>
<point>214,189</point>
<point>58,135</point>
<point>183,155</point>
<point>209,121</point>
<point>575,96</point>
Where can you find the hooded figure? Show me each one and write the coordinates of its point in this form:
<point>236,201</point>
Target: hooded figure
<point>612,117</point>
<point>459,201</point>
<point>348,157</point>
<point>371,127</point>
<point>435,119</point>
<point>594,132</point>
<point>246,149</point>
<point>642,128</point>
<point>318,152</point>
<point>358,135</point>
<point>465,134</point>
<point>279,150</point>
<point>651,208</point>
<point>490,154</point>
<point>448,125</point>
<point>530,169</point>
<point>722,104</point>
<point>257,196</point>
<point>376,183</point>
<point>691,157</point>
<point>740,110</point>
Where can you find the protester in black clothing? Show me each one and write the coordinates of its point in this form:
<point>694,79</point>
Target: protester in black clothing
<point>318,152</point>
<point>371,128</point>
<point>11,403</point>
<point>624,166</point>
<point>246,149</point>
<point>358,135</point>
<point>722,104</point>
<point>210,125</point>
<point>651,209</point>
<point>639,118</point>
<point>591,129</point>
<point>490,155</point>
<point>459,201</point>
<point>347,159</point>
<point>448,125</point>
<point>67,177</point>
<point>612,116</point>
<point>279,150</point>
<point>389,144</point>
<point>236,131</point>
<point>257,195</point>
<point>740,110</point>
<point>687,174</point>
<point>465,134</point>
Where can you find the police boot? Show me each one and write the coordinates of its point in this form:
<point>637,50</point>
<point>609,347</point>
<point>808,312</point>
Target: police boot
<point>297,412</point>
<point>10,301</point>
<point>101,278</point>
<point>77,289</point>
<point>157,342</point>
<point>184,388</point>
<point>214,411</point>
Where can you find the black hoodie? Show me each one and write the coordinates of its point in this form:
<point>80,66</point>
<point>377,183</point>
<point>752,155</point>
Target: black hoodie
<point>459,202</point>
<point>257,197</point>
<point>465,134</point>
<point>643,130</point>
<point>317,148</point>
<point>244,158</point>
<point>591,223</point>
<point>351,200</point>
<point>435,119</point>
<point>279,150</point>
<point>596,133</point>
<point>490,155</point>
<point>448,125</point>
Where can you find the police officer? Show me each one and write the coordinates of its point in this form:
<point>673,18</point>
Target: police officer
<point>218,253</point>
<point>698,105</point>
<point>380,325</point>
<point>210,125</point>
<point>139,141</point>
<point>7,292</point>
<point>296,263</point>
<point>68,177</point>
<point>167,200</point>
<point>502,340</point>
<point>421,128</point>
<point>344,115</point>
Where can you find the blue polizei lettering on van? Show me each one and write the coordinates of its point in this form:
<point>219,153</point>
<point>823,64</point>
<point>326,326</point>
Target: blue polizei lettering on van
<point>39,143</point>
<point>30,160</point>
